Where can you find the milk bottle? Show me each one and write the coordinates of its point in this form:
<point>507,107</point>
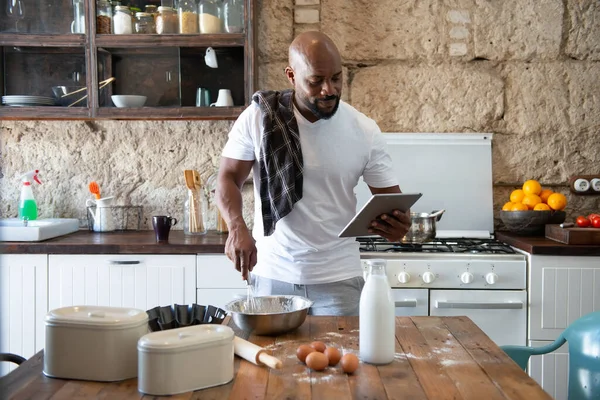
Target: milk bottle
<point>377,338</point>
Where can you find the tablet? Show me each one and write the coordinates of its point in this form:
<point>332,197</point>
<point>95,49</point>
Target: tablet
<point>378,204</point>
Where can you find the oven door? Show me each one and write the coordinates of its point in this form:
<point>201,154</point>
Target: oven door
<point>411,302</point>
<point>501,314</point>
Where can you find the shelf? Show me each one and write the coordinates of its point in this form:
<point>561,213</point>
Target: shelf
<point>44,112</point>
<point>161,113</point>
<point>217,40</point>
<point>19,39</point>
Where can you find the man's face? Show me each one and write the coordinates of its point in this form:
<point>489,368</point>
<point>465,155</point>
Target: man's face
<point>318,85</point>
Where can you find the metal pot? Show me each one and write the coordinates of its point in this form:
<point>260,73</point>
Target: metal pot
<point>422,228</point>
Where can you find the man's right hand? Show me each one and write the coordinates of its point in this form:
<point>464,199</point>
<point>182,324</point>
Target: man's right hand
<point>241,250</point>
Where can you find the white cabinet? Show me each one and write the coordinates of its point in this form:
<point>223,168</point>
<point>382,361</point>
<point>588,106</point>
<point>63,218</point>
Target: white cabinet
<point>218,281</point>
<point>138,281</point>
<point>23,304</point>
<point>551,370</point>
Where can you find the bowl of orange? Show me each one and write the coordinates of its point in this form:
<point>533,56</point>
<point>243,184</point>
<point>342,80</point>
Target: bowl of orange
<point>531,222</point>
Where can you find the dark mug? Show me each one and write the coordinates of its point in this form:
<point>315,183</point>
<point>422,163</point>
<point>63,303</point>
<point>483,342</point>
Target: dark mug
<point>162,225</point>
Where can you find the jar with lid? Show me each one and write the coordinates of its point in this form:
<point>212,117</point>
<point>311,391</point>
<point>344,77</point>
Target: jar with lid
<point>103,17</point>
<point>209,15</point>
<point>151,9</point>
<point>233,16</point>
<point>166,21</point>
<point>122,21</point>
<point>194,213</point>
<point>211,187</point>
<point>188,17</point>
<point>144,23</point>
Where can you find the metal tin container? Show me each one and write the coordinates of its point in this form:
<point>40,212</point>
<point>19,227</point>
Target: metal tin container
<point>185,359</point>
<point>93,342</point>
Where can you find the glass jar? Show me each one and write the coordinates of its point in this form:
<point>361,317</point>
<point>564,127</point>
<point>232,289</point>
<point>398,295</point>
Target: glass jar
<point>122,21</point>
<point>103,17</point>
<point>233,16</point>
<point>166,21</point>
<point>78,24</point>
<point>144,23</point>
<point>209,16</point>
<point>188,17</point>
<point>151,9</point>
<point>211,187</point>
<point>194,213</point>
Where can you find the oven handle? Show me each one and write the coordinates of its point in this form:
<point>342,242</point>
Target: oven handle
<point>517,305</point>
<point>406,303</point>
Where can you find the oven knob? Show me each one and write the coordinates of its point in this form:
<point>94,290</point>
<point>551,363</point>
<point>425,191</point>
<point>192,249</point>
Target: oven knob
<point>491,278</point>
<point>466,277</point>
<point>428,277</point>
<point>403,277</point>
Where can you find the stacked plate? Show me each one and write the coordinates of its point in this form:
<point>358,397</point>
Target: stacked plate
<point>27,101</point>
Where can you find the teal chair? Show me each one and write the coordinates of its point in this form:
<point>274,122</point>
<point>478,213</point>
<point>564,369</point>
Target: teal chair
<point>583,336</point>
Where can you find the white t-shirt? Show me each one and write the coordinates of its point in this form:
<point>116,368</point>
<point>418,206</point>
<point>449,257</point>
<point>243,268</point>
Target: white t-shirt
<point>305,248</point>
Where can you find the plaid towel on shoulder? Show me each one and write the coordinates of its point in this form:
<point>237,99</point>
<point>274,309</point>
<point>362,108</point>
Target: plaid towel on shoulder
<point>280,158</point>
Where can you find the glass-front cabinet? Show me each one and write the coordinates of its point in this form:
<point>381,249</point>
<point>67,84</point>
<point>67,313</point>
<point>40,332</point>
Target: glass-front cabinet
<point>93,59</point>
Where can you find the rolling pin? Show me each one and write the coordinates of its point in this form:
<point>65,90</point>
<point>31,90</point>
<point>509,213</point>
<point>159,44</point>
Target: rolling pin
<point>253,353</point>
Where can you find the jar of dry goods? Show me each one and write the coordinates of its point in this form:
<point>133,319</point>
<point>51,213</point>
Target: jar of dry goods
<point>233,16</point>
<point>151,9</point>
<point>144,23</point>
<point>188,17</point>
<point>103,17</point>
<point>166,21</point>
<point>210,16</point>
<point>122,21</point>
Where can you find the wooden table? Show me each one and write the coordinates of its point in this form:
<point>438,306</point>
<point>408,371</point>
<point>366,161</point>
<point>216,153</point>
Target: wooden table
<point>436,358</point>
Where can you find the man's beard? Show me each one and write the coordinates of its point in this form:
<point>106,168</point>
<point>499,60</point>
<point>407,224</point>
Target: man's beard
<point>314,108</point>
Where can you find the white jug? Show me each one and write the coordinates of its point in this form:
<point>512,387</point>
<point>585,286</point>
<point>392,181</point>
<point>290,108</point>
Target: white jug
<point>224,99</point>
<point>103,218</point>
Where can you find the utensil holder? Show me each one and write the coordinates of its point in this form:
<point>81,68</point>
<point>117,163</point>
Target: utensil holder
<point>194,213</point>
<point>124,218</point>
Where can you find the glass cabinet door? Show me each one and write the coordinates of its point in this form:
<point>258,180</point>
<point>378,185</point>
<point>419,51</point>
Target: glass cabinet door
<point>42,16</point>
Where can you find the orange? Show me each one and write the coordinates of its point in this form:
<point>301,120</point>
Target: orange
<point>531,200</point>
<point>545,194</point>
<point>517,196</point>
<point>557,201</point>
<point>541,207</point>
<point>532,187</point>
<point>507,206</point>
<point>519,207</point>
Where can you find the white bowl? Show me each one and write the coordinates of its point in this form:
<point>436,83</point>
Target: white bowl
<point>122,100</point>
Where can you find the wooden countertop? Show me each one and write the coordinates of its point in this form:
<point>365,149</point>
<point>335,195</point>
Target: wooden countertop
<point>436,358</point>
<point>543,246</point>
<point>130,242</point>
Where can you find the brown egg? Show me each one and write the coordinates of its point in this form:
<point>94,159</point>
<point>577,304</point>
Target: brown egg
<point>317,361</point>
<point>349,363</point>
<point>333,355</point>
<point>318,346</point>
<point>303,351</point>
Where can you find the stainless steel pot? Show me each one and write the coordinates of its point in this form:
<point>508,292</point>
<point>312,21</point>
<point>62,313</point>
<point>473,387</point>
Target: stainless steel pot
<point>422,228</point>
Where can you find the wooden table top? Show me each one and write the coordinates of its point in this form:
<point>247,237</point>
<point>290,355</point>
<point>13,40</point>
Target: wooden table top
<point>436,358</point>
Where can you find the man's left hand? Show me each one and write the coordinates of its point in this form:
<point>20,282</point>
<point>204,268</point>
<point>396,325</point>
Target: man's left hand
<point>392,226</point>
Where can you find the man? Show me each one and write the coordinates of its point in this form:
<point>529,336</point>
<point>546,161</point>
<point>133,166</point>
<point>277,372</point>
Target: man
<point>308,149</point>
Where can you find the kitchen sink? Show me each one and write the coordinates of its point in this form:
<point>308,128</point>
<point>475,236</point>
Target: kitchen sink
<point>16,230</point>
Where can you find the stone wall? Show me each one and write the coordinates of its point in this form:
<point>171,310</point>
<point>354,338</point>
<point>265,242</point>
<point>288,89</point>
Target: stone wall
<point>526,70</point>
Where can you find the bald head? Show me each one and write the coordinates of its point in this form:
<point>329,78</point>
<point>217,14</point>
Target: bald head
<point>312,47</point>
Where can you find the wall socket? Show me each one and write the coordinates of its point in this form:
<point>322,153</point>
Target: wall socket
<point>585,184</point>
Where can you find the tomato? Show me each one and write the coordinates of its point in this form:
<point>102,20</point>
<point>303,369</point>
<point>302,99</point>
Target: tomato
<point>596,222</point>
<point>583,222</point>
<point>592,216</point>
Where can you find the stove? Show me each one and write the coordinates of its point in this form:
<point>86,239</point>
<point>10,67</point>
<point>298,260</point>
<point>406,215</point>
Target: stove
<point>464,270</point>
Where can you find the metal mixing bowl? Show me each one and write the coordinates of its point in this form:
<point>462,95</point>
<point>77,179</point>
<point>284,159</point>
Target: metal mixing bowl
<point>269,315</point>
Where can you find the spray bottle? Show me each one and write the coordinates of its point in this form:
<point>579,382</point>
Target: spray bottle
<point>27,205</point>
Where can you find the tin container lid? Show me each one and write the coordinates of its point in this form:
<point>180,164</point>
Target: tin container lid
<point>188,338</point>
<point>122,8</point>
<point>97,317</point>
<point>168,9</point>
<point>142,14</point>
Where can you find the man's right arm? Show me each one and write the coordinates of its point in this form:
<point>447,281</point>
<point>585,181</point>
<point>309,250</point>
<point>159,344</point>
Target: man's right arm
<point>240,246</point>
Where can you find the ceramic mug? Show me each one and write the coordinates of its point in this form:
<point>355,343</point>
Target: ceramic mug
<point>102,217</point>
<point>224,99</point>
<point>210,58</point>
<point>162,226</point>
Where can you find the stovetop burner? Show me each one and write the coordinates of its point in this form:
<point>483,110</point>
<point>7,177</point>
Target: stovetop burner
<point>451,245</point>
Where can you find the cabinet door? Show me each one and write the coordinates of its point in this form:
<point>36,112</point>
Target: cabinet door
<point>23,304</point>
<point>217,280</point>
<point>562,289</point>
<point>138,281</point>
<point>551,370</point>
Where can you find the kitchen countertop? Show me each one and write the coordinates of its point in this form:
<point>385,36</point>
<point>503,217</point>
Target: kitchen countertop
<point>126,242</point>
<point>436,358</point>
<point>543,246</point>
